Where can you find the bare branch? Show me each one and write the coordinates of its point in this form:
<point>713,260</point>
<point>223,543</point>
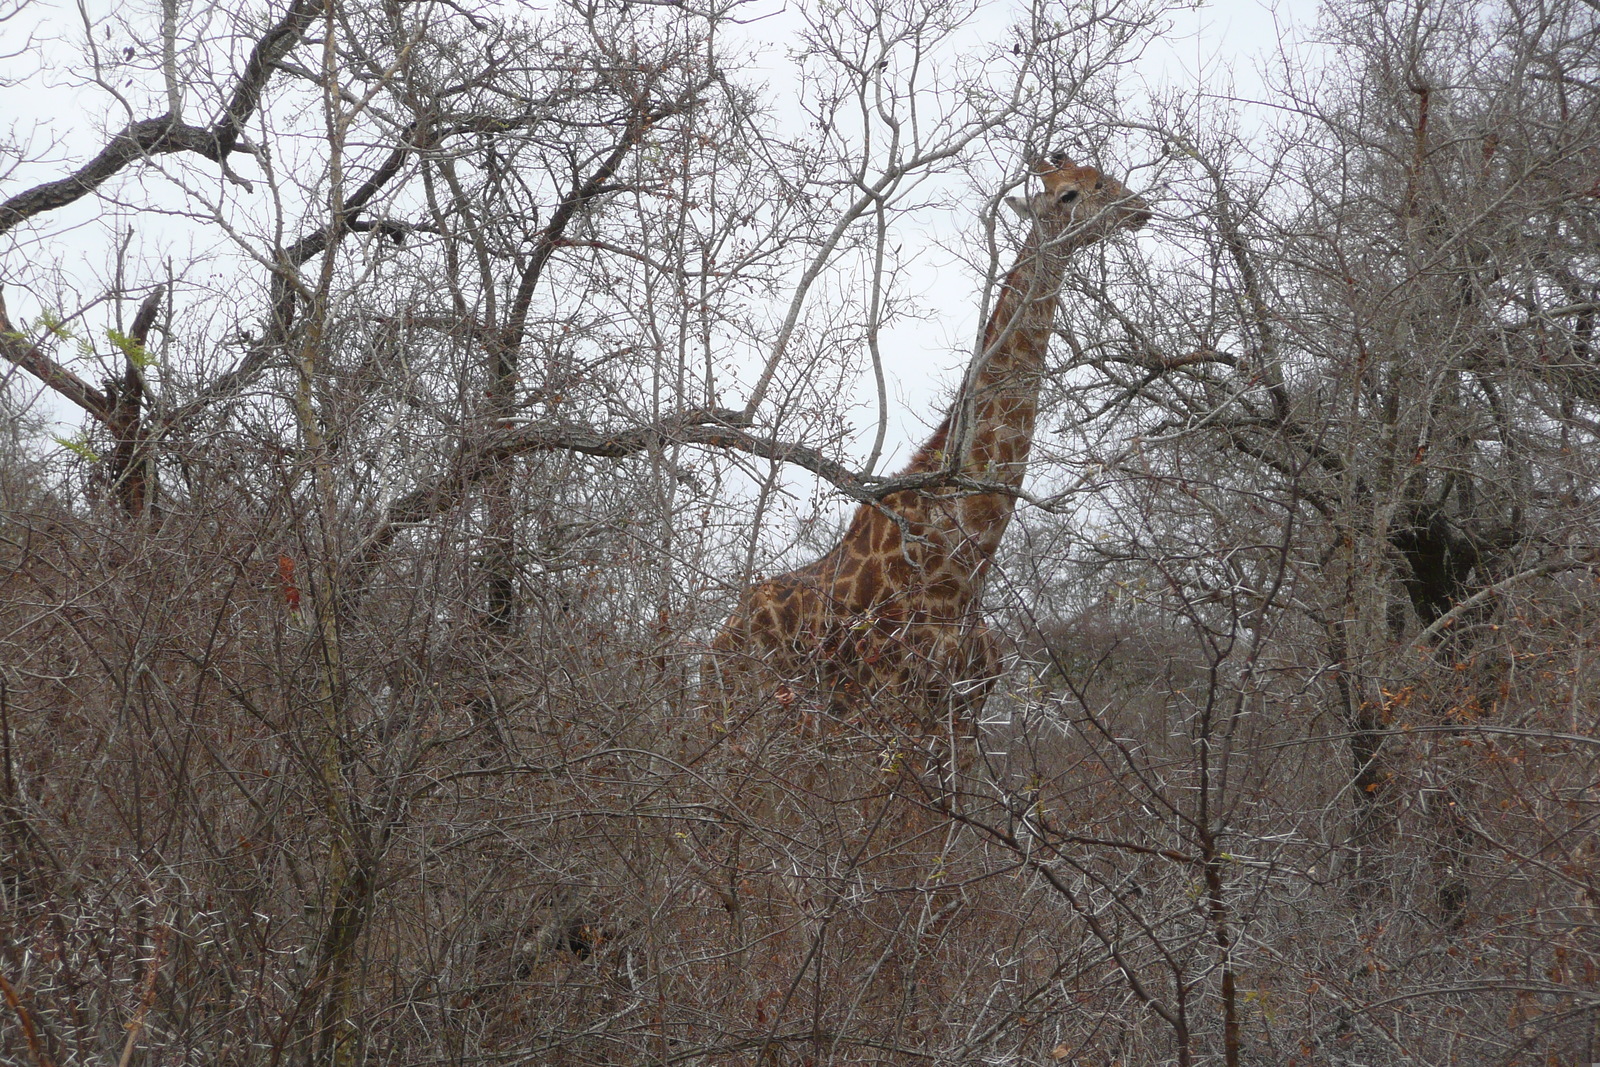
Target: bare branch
<point>1488,593</point>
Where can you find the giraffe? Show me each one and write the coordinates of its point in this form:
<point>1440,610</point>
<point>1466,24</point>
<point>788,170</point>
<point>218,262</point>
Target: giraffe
<point>886,629</point>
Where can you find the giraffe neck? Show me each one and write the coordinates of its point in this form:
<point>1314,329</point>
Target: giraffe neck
<point>991,424</point>
<point>992,420</point>
<point>959,531</point>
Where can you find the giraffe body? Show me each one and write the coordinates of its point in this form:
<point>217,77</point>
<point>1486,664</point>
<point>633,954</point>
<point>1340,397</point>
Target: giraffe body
<point>886,629</point>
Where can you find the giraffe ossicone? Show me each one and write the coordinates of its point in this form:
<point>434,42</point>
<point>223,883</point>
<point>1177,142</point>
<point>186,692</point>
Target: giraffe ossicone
<point>885,632</point>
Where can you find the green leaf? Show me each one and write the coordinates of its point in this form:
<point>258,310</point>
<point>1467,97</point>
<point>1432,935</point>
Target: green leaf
<point>130,347</point>
<point>52,322</point>
<point>78,447</point>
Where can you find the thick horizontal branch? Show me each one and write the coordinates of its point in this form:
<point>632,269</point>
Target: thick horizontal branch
<point>726,434</point>
<point>138,140</point>
<point>475,462</point>
<point>710,428</point>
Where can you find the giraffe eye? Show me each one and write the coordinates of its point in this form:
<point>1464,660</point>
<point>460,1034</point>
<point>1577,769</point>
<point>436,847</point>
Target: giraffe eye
<point>1069,196</point>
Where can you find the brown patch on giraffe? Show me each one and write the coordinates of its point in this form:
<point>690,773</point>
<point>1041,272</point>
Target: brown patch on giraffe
<point>887,538</point>
<point>985,510</point>
<point>869,584</point>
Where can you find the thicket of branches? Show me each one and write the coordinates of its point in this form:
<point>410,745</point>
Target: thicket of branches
<point>441,373</point>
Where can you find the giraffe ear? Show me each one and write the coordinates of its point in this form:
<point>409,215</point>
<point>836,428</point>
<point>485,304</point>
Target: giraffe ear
<point>1020,206</point>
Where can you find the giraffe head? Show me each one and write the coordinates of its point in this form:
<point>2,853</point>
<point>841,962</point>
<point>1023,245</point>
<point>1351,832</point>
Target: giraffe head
<point>1079,203</point>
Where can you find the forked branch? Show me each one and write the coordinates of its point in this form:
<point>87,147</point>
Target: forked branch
<point>164,135</point>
